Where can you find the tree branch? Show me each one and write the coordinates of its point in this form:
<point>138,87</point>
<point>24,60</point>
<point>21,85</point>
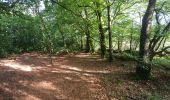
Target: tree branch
<point>164,49</point>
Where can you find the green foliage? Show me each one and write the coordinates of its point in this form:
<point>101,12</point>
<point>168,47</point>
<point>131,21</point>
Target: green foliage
<point>62,24</point>
<point>164,61</point>
<point>154,96</point>
<point>3,53</point>
<point>126,56</point>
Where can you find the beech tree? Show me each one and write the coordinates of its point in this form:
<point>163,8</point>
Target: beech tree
<point>144,70</point>
<point>150,47</point>
<point>109,30</point>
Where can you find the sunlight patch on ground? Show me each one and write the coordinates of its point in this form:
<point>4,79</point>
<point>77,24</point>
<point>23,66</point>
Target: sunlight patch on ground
<point>15,65</point>
<point>26,96</point>
<point>89,79</point>
<point>99,71</point>
<point>82,55</point>
<point>83,70</point>
<point>31,97</point>
<point>61,71</point>
<point>70,68</point>
<point>87,74</point>
<point>18,66</point>
<point>87,56</point>
<point>44,85</point>
<point>68,78</point>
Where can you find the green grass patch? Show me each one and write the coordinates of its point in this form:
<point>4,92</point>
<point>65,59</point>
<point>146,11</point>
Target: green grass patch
<point>164,62</point>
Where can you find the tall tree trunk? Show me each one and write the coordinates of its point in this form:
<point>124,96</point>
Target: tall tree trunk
<point>88,40</point>
<point>63,38</point>
<point>131,38</point>
<point>144,70</point>
<point>102,37</point>
<point>119,46</point>
<point>91,46</point>
<point>81,42</point>
<point>49,45</point>
<point>110,32</point>
<point>101,31</point>
<point>62,35</point>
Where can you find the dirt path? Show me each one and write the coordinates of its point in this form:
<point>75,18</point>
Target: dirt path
<point>31,77</point>
<point>76,77</point>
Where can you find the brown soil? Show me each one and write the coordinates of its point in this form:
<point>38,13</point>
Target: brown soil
<point>30,76</point>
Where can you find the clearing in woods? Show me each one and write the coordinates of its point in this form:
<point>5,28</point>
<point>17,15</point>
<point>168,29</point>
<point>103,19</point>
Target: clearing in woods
<point>73,77</point>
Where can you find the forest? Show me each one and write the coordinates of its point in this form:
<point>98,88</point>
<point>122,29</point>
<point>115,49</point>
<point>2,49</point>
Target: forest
<point>84,49</point>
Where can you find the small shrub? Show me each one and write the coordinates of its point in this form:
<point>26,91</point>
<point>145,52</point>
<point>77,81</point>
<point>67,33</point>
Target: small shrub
<point>125,56</point>
<point>162,62</point>
<point>3,53</point>
<point>154,97</point>
<point>62,52</point>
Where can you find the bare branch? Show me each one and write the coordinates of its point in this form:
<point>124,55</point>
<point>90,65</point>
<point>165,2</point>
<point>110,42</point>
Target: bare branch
<point>164,49</point>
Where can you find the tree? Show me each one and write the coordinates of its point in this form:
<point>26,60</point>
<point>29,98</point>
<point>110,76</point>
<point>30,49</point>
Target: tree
<point>109,30</point>
<point>100,28</point>
<point>143,69</point>
<point>88,38</point>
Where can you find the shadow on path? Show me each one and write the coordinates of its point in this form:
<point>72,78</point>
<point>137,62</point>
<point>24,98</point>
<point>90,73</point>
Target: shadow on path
<point>31,77</point>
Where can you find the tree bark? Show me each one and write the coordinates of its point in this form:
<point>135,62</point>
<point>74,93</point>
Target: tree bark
<point>63,37</point>
<point>143,70</point>
<point>88,40</point>
<point>131,38</point>
<point>119,45</point>
<point>81,42</point>
<point>101,30</point>
<point>110,32</point>
<point>102,36</point>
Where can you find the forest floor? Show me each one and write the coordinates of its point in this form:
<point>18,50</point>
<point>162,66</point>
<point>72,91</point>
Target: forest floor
<point>77,77</point>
